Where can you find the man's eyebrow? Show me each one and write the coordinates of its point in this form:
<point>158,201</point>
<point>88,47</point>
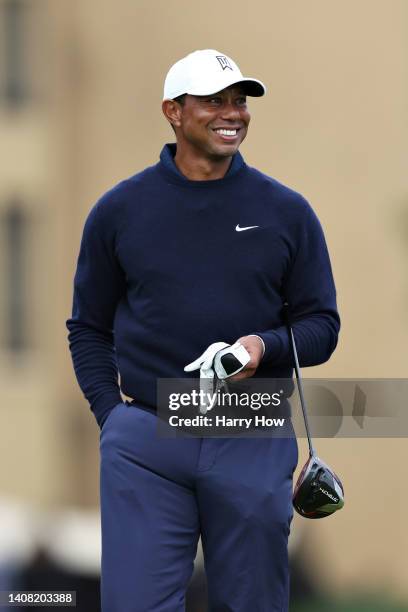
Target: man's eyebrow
<point>238,92</point>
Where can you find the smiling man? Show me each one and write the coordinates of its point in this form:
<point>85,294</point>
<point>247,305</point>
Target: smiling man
<point>209,130</point>
<point>196,250</point>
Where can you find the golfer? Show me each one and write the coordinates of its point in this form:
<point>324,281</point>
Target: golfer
<point>198,249</point>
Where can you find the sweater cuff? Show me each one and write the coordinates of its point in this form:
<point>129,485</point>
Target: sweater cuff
<point>104,405</point>
<point>273,345</point>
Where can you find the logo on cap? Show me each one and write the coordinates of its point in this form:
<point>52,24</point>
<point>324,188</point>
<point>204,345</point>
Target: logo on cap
<point>224,62</point>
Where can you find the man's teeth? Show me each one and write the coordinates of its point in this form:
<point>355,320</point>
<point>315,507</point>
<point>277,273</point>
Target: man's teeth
<point>227,132</point>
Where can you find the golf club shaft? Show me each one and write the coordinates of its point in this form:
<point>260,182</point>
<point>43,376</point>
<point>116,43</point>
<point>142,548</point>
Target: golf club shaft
<point>300,389</point>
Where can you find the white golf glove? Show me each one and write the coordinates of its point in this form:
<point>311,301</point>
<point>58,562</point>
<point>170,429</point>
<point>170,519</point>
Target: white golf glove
<point>230,360</point>
<point>205,361</point>
<point>225,359</point>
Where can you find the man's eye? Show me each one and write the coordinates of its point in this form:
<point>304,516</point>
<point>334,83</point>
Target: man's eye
<point>241,101</point>
<point>214,100</point>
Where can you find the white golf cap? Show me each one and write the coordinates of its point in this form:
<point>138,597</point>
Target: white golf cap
<point>206,72</point>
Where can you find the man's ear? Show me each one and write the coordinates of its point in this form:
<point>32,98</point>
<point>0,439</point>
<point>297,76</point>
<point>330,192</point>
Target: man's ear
<point>172,111</point>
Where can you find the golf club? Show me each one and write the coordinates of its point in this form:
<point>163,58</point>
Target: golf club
<point>318,491</point>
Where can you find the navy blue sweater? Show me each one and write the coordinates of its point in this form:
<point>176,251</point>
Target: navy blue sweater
<point>163,272</point>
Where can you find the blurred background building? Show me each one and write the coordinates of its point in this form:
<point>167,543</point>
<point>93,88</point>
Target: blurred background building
<point>80,94</point>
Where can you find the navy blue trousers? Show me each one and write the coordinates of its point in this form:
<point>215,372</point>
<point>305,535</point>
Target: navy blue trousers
<point>158,495</point>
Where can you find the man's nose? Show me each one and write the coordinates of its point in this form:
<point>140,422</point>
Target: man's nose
<point>230,111</point>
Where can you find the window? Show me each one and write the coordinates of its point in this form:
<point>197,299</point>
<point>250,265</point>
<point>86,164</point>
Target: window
<point>14,285</point>
<point>13,54</point>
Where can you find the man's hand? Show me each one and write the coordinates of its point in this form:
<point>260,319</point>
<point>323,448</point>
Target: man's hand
<point>255,348</point>
<point>249,350</point>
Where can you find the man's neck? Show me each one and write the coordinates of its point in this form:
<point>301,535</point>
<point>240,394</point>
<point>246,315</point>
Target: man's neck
<point>199,168</point>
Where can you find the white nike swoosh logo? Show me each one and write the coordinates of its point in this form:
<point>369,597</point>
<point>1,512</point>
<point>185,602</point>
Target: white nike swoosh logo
<point>242,229</point>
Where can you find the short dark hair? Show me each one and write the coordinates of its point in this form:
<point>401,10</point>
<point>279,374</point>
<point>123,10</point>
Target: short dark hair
<point>180,99</point>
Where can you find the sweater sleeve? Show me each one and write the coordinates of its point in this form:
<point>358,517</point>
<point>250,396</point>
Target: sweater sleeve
<point>99,284</point>
<point>310,292</point>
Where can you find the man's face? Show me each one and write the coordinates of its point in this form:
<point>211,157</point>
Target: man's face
<point>214,125</point>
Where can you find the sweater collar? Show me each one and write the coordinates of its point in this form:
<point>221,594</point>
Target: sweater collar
<point>168,166</point>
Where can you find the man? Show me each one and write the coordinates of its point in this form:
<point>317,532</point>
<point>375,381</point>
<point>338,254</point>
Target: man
<point>197,249</point>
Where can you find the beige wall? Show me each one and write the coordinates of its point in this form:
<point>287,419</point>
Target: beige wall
<point>332,126</point>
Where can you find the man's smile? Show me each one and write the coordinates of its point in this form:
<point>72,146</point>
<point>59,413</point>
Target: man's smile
<point>227,133</point>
